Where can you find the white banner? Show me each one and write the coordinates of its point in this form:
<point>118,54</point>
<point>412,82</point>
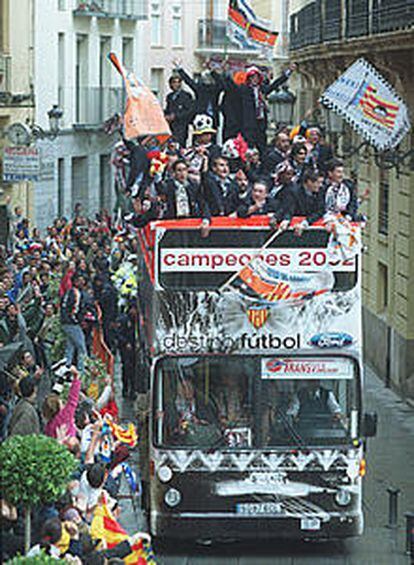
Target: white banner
<point>306,368</point>
<point>369,104</point>
<point>21,163</point>
<point>214,260</point>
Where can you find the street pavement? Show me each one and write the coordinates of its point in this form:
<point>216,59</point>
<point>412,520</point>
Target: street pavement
<point>390,461</point>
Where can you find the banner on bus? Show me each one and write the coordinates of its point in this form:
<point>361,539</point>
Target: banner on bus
<point>218,295</point>
<point>229,260</point>
<point>306,368</point>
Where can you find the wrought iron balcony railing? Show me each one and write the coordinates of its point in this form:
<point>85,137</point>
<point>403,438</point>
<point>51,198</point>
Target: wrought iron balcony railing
<point>323,21</point>
<point>212,35</point>
<point>124,9</point>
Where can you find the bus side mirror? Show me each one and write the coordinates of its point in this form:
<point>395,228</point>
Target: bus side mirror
<point>369,424</point>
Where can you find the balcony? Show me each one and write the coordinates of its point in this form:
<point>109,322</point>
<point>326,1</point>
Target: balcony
<point>213,38</point>
<point>123,9</point>
<point>96,104</point>
<point>325,21</point>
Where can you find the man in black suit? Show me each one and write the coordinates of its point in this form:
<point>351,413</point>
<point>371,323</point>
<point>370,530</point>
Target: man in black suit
<point>179,109</point>
<point>259,202</point>
<point>321,153</point>
<point>183,196</point>
<point>220,192</point>
<point>206,92</point>
<point>277,153</point>
<point>306,199</point>
<point>254,106</point>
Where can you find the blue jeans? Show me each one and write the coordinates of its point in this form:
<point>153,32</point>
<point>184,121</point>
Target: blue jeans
<point>75,341</point>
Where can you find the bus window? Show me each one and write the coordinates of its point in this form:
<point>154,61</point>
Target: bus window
<point>234,402</point>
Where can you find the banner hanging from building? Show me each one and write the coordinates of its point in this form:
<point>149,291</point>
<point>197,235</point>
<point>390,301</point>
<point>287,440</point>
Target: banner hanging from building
<point>369,104</point>
<point>249,31</point>
<point>143,113</point>
<point>21,164</point>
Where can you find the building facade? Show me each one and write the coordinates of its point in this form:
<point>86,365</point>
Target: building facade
<point>326,36</point>
<point>171,34</point>
<point>72,40</point>
<point>16,94</point>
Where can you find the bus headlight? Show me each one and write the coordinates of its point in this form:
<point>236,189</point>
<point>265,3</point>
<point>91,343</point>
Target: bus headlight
<point>172,497</point>
<point>165,474</point>
<point>343,497</point>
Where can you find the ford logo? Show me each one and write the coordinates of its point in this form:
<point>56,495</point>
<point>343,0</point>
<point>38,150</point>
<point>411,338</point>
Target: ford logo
<point>331,339</point>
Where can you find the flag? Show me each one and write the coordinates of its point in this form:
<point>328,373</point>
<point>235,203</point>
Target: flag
<point>247,30</point>
<point>345,239</point>
<point>143,113</point>
<point>105,527</point>
<point>128,436</point>
<point>378,109</point>
<point>274,289</point>
<point>369,104</point>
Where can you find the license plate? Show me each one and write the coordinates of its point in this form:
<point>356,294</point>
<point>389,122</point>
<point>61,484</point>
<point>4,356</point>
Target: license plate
<point>258,508</point>
<point>310,524</point>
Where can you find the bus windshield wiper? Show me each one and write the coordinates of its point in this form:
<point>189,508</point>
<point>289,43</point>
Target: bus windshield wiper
<point>289,426</point>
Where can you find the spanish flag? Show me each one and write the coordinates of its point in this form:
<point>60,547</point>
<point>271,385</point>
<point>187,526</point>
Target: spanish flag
<point>128,436</point>
<point>105,527</point>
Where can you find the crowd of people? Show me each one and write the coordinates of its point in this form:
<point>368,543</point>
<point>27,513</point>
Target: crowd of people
<point>55,292</point>
<point>58,289</point>
<point>193,176</point>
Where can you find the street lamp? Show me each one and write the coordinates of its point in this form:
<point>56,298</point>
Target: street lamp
<point>55,115</point>
<point>282,106</point>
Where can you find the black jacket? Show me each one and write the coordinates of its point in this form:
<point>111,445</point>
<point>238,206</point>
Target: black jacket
<point>248,104</point>
<point>181,104</point>
<point>269,207</point>
<point>230,106</point>
<point>300,203</point>
<point>206,96</point>
<point>272,159</point>
<point>197,204</point>
<point>219,204</point>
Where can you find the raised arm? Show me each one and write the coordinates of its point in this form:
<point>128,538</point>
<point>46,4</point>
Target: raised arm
<point>277,82</point>
<point>190,82</point>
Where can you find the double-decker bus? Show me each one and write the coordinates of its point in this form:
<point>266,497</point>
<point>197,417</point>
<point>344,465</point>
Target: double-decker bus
<point>253,338</point>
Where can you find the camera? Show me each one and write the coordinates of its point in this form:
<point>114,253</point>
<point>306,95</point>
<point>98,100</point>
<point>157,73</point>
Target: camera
<point>62,376</point>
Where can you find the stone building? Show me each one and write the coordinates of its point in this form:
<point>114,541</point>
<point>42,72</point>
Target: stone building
<point>326,36</point>
<point>16,94</point>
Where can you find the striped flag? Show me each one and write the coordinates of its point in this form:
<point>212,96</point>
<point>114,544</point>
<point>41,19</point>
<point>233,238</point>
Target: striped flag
<point>377,108</point>
<point>246,29</point>
<point>370,104</point>
<point>268,287</point>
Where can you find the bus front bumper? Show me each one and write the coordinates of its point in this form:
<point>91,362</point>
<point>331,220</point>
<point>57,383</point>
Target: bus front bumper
<point>221,527</point>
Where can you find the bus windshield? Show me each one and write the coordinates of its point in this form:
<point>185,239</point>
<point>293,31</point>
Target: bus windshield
<point>255,402</point>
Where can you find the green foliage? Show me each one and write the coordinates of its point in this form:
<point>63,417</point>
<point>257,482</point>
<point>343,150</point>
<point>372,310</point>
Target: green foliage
<point>34,469</point>
<point>57,349</point>
<point>95,374</point>
<point>41,559</point>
